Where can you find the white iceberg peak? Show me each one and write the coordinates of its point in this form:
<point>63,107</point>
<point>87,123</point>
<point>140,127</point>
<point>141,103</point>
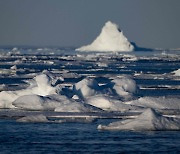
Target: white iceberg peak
<point>111,38</point>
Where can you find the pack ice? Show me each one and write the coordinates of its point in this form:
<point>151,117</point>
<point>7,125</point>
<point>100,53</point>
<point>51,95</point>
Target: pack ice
<point>111,38</point>
<point>42,94</point>
<point>87,95</point>
<point>40,85</point>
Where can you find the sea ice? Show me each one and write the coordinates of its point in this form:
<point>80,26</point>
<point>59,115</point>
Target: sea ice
<point>157,102</point>
<point>29,102</point>
<point>86,87</point>
<point>107,97</point>
<point>111,38</point>
<point>40,85</point>
<point>177,72</point>
<point>44,85</point>
<point>14,67</point>
<point>33,118</point>
<point>76,107</point>
<point>149,120</point>
<point>110,104</point>
<point>57,103</point>
<point>124,86</point>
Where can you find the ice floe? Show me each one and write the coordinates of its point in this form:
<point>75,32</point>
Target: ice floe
<point>58,103</point>
<point>86,87</point>
<point>111,38</point>
<point>108,103</point>
<point>177,72</point>
<point>149,120</point>
<point>124,86</point>
<point>86,95</point>
<point>157,102</point>
<point>40,85</point>
<point>33,118</point>
<point>76,107</point>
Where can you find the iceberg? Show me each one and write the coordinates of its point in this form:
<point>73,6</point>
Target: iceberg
<point>149,120</point>
<point>111,38</point>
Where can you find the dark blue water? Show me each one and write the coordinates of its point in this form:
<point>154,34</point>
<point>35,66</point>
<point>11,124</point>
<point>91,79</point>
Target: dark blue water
<point>82,138</point>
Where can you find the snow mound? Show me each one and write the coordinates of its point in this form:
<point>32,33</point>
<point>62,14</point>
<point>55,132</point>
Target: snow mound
<point>124,86</point>
<point>76,107</point>
<point>40,85</point>
<point>111,38</point>
<point>101,102</point>
<point>44,85</point>
<point>36,102</point>
<point>149,120</point>
<point>86,87</point>
<point>57,103</point>
<point>29,102</point>
<point>157,102</point>
<point>109,104</point>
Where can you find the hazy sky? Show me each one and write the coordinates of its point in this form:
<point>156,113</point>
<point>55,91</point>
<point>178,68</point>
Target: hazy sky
<point>149,23</point>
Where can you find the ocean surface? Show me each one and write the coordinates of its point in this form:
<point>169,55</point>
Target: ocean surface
<point>82,138</point>
<point>152,71</point>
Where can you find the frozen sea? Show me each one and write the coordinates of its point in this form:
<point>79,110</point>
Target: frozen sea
<point>152,71</point>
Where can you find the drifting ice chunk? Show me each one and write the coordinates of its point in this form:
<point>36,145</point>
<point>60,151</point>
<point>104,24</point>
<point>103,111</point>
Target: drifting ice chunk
<point>36,102</point>
<point>110,39</point>
<point>86,87</point>
<point>6,99</point>
<point>41,85</point>
<point>53,78</point>
<point>14,67</point>
<point>30,102</point>
<point>177,72</point>
<point>56,103</point>
<point>76,107</point>
<point>124,86</point>
<point>37,118</point>
<point>157,102</point>
<point>44,86</point>
<point>101,102</point>
<point>148,120</point>
<point>109,104</point>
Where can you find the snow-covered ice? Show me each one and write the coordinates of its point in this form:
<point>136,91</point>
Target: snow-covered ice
<point>86,87</point>
<point>57,103</point>
<point>124,86</point>
<point>111,38</point>
<point>107,103</point>
<point>89,84</point>
<point>157,102</point>
<point>149,120</point>
<point>177,72</point>
<point>40,85</point>
<point>33,118</point>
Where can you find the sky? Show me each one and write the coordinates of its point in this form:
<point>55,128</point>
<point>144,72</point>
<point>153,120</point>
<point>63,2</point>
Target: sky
<point>73,23</point>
